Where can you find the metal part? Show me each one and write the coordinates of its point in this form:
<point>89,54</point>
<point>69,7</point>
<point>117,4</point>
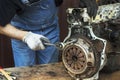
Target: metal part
<point>94,37</point>
<point>105,13</point>
<point>79,58</point>
<point>82,58</point>
<point>2,77</point>
<point>60,45</point>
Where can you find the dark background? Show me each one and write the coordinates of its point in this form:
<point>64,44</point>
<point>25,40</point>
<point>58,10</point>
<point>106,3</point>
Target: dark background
<point>6,57</point>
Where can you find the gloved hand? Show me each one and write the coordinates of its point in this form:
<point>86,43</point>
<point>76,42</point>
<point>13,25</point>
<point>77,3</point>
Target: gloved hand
<point>91,5</point>
<point>105,2</point>
<point>35,41</point>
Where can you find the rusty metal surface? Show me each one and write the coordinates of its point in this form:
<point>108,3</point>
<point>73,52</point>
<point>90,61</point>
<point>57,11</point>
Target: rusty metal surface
<point>104,13</point>
<point>80,58</point>
<point>105,38</point>
<point>54,71</point>
<point>40,72</point>
<point>75,58</point>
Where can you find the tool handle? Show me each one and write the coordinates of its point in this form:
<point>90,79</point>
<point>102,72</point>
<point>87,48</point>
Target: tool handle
<point>5,74</point>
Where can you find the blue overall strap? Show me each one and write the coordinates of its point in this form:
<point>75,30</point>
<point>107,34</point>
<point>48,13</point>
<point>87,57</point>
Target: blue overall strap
<point>29,2</point>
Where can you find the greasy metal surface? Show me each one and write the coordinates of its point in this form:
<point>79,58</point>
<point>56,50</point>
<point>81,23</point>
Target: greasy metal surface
<point>81,24</point>
<point>54,71</point>
<point>80,58</point>
<point>105,13</point>
<point>75,59</point>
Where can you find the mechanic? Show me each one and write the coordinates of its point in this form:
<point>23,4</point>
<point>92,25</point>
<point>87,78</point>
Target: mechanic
<point>30,23</point>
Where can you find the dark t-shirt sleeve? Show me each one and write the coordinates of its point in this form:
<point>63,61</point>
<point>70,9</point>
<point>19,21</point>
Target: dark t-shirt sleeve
<point>8,8</point>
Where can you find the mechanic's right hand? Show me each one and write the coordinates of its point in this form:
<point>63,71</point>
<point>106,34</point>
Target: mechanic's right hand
<point>35,41</point>
<point>91,6</point>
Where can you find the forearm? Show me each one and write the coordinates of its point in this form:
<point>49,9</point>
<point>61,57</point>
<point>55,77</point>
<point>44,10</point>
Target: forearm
<point>12,32</point>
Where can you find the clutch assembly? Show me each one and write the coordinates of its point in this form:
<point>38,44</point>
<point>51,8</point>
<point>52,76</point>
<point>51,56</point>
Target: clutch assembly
<point>84,50</point>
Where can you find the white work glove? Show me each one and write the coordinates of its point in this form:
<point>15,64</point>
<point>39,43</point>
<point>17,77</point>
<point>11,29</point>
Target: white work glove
<point>35,41</point>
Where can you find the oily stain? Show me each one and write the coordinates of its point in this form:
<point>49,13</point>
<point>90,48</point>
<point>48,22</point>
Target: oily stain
<point>51,73</point>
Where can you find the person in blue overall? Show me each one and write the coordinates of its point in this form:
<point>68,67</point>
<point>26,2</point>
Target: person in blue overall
<point>30,23</point>
<point>38,18</point>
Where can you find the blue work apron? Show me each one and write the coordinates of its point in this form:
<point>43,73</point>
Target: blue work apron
<point>40,18</point>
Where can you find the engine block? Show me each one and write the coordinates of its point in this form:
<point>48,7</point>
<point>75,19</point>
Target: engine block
<point>86,47</point>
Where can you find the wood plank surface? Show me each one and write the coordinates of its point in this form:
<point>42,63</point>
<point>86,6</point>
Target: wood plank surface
<point>54,71</point>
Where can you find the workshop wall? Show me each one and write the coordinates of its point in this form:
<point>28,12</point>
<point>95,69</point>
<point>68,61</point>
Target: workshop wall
<point>6,57</point>
<point>62,16</point>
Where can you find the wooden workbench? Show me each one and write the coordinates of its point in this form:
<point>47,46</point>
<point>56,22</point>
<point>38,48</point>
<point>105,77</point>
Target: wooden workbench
<point>54,71</point>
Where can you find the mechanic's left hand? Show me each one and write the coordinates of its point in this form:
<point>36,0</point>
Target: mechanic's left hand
<point>91,5</point>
